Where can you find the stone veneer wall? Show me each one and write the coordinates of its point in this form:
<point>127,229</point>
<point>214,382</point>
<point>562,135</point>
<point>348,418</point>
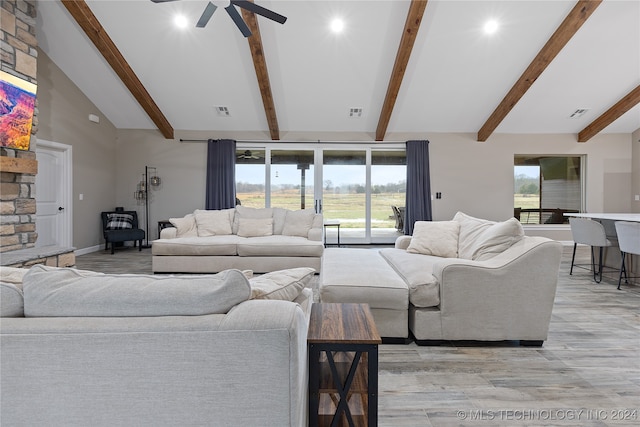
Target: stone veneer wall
<point>17,190</point>
<point>19,56</point>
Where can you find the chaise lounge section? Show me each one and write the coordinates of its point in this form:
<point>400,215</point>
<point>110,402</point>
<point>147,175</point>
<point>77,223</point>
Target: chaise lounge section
<point>467,279</point>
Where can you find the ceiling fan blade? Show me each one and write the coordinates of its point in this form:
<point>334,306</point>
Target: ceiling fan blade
<point>206,15</point>
<point>252,7</point>
<point>161,1</point>
<point>235,15</point>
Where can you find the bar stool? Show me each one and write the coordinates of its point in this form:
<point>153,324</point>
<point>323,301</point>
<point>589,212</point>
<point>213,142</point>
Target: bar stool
<point>592,233</point>
<point>629,241</point>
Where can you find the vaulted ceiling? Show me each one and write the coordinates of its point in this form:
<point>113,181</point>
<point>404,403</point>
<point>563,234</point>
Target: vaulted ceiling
<point>410,66</point>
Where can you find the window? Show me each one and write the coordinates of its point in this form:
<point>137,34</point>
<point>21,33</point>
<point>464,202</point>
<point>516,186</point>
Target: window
<point>250,173</point>
<point>545,187</point>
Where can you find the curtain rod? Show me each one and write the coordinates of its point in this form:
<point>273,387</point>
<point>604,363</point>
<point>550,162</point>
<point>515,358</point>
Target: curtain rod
<point>299,142</point>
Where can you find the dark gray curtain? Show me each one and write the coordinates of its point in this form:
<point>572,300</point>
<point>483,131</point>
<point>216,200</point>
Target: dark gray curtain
<point>221,174</point>
<point>418,197</point>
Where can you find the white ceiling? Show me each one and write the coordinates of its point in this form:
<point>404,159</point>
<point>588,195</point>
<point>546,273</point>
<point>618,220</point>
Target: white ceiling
<point>455,78</point>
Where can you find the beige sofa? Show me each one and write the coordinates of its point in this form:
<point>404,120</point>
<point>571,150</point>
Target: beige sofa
<point>86,349</point>
<point>244,238</point>
<point>465,279</point>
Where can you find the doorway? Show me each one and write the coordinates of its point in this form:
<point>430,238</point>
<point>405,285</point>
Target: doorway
<point>353,184</point>
<point>54,189</point>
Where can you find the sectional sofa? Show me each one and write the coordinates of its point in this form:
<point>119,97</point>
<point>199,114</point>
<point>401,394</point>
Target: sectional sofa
<point>262,240</point>
<point>81,348</point>
<point>465,279</point>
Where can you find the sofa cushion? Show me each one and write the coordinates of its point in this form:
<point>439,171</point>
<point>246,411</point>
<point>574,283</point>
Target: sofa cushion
<point>214,222</point>
<point>438,238</point>
<point>253,213</point>
<point>470,229</point>
<point>281,284</point>
<point>280,246</point>
<point>496,239</point>
<point>416,270</point>
<point>213,245</point>
<point>11,300</point>
<point>298,223</point>
<point>67,292</point>
<point>258,227</point>
<point>185,226</point>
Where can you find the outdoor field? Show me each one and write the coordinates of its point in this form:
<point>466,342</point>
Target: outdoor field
<point>348,208</point>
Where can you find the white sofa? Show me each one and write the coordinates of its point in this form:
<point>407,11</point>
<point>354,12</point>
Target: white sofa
<point>465,279</point>
<point>86,349</point>
<point>261,240</point>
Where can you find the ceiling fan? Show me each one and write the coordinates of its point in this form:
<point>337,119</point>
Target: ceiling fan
<point>229,6</point>
<point>248,155</point>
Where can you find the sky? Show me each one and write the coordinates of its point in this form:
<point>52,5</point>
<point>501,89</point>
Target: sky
<point>338,174</point>
<point>530,171</point>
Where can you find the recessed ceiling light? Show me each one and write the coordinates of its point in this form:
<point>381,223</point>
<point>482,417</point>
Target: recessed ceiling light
<point>181,21</point>
<point>337,25</point>
<point>491,26</point>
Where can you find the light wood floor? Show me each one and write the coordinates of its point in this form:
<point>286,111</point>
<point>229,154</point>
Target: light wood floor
<point>586,374</point>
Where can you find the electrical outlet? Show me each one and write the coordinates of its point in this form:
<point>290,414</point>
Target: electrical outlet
<point>637,197</point>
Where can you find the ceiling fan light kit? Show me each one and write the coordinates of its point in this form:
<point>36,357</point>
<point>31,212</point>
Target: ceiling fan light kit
<point>230,7</point>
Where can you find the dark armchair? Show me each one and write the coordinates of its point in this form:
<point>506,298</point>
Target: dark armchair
<point>121,226</point>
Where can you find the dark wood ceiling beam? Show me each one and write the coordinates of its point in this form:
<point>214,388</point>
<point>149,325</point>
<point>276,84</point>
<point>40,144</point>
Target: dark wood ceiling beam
<point>409,33</point>
<point>262,74</point>
<point>571,24</point>
<point>629,101</point>
<point>85,18</point>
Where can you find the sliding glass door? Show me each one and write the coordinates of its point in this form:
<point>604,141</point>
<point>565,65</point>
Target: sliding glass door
<point>362,188</point>
<point>344,198</point>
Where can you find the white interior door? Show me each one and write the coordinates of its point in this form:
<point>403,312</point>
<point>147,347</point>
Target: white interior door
<point>53,194</point>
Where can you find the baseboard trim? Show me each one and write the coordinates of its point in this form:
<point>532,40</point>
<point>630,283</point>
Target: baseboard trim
<point>88,250</point>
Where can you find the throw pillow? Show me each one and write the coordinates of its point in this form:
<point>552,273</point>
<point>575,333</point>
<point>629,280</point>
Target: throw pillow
<point>253,213</point>
<point>67,292</point>
<point>497,238</point>
<point>185,226</point>
<point>249,227</point>
<point>119,221</point>
<point>279,218</point>
<point>437,238</point>
<point>298,223</point>
<point>470,229</point>
<point>282,285</point>
<point>12,274</point>
<point>214,222</point>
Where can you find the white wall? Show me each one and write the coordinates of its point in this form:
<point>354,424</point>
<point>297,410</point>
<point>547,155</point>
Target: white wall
<point>473,177</point>
<point>63,112</point>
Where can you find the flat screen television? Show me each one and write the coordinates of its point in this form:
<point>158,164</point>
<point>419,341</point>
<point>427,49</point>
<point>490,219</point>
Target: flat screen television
<point>17,102</point>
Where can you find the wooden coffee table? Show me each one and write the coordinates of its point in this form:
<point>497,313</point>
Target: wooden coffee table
<point>343,365</point>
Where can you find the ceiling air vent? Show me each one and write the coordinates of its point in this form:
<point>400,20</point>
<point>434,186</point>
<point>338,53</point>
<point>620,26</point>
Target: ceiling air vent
<point>222,111</point>
<point>355,112</point>
<point>578,113</point>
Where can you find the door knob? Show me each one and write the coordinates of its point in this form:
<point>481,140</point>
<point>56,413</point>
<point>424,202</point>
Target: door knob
<point>60,208</point>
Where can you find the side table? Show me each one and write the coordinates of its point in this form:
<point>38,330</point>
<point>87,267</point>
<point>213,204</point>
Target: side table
<point>343,365</point>
<point>331,223</point>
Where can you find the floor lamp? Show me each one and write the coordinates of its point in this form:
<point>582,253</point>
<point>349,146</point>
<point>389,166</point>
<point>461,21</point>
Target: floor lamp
<point>150,179</point>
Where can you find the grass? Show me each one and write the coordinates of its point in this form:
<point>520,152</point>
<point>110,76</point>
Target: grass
<point>348,208</point>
